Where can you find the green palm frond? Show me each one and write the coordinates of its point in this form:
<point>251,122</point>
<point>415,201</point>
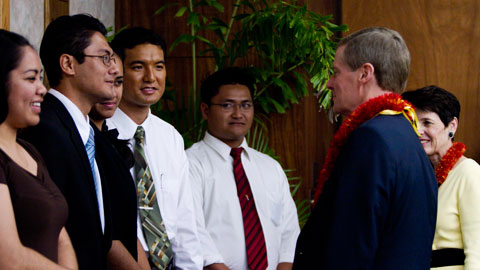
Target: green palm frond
<point>291,42</point>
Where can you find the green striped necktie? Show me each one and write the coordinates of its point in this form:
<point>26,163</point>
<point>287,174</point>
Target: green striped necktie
<point>153,227</point>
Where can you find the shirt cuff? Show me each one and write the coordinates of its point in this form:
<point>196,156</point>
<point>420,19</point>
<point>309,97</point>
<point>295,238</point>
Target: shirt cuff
<point>286,257</point>
<point>211,259</point>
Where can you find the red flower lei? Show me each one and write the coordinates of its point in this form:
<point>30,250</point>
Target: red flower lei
<point>454,153</point>
<point>363,113</point>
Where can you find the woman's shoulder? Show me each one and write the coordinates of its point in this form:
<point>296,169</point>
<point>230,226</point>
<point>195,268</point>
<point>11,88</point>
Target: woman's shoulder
<point>31,150</point>
<point>469,165</point>
<point>468,171</point>
<point>8,166</point>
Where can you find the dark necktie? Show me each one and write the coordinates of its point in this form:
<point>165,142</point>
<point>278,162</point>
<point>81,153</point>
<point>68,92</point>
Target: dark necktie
<point>254,238</point>
<point>152,223</point>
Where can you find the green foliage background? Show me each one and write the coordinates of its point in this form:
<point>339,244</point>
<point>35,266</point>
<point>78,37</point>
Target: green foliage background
<point>293,44</point>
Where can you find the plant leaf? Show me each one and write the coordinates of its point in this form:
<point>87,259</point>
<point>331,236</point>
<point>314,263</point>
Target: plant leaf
<point>218,6</point>
<point>181,11</point>
<point>185,38</point>
<point>160,10</point>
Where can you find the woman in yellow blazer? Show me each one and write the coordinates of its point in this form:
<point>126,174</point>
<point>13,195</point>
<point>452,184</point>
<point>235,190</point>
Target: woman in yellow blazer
<point>456,244</point>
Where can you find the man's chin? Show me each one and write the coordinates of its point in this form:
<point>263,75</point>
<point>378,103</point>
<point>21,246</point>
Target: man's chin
<point>336,110</point>
<point>148,100</point>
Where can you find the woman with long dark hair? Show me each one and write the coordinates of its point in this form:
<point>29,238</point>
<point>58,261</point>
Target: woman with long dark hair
<point>33,211</point>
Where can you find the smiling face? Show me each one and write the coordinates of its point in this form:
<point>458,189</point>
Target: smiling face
<point>93,78</point>
<point>344,86</point>
<point>434,134</point>
<point>25,91</point>
<point>145,75</point>
<point>106,109</point>
<point>229,125</point>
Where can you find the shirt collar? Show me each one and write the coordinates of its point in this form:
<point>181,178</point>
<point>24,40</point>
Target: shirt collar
<point>127,127</point>
<point>81,122</point>
<point>222,148</point>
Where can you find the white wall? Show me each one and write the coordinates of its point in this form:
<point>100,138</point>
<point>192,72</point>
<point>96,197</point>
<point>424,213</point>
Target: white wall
<point>104,10</point>
<point>26,18</point>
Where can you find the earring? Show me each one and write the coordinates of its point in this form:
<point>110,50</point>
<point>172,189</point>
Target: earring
<point>450,134</point>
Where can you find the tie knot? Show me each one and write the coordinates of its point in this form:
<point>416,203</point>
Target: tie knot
<point>91,138</point>
<point>139,135</point>
<point>236,152</point>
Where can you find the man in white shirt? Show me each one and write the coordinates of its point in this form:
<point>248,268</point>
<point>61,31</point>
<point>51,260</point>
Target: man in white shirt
<point>79,65</point>
<point>160,147</point>
<point>223,218</point>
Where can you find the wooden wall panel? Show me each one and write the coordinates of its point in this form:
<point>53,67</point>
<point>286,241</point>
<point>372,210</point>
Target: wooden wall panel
<point>300,137</point>
<point>140,13</point>
<point>55,9</point>
<point>5,14</point>
<point>443,38</point>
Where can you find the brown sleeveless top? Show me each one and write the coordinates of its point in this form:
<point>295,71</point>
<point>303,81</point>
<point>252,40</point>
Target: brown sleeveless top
<point>39,207</point>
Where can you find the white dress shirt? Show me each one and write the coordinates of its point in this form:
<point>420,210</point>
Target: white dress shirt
<point>219,215</point>
<point>168,163</point>
<point>82,123</point>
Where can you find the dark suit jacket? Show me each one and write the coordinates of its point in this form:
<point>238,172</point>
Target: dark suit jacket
<point>378,208</point>
<point>121,187</point>
<point>57,139</point>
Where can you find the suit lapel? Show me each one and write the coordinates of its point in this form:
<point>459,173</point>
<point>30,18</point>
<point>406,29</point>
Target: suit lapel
<point>69,124</point>
<point>66,120</point>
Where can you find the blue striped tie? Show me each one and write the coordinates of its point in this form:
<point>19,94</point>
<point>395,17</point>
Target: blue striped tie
<point>90,147</point>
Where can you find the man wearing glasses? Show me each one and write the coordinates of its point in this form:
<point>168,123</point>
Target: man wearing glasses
<point>246,216</point>
<point>78,63</point>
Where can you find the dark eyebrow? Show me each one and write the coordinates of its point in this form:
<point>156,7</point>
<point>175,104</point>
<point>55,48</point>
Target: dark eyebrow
<point>32,70</point>
<point>137,62</point>
<point>233,101</point>
<point>143,63</point>
<point>105,51</point>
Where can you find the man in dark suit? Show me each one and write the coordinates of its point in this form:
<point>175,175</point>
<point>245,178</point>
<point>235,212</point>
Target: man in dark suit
<point>78,62</point>
<point>377,207</point>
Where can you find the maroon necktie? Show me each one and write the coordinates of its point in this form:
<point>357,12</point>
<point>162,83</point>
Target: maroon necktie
<point>254,239</point>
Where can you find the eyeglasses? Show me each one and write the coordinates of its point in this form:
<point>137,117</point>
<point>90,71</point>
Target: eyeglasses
<point>106,58</point>
<point>229,106</point>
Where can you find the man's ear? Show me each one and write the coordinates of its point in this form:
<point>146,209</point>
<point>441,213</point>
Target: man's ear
<point>67,64</point>
<point>205,109</point>
<point>367,72</point>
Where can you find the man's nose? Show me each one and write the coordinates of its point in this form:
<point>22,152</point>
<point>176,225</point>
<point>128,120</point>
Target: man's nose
<point>149,75</point>
<point>330,83</point>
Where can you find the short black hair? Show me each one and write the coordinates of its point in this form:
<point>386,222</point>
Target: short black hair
<point>435,99</point>
<point>131,37</point>
<point>231,75</point>
<point>11,45</point>
<point>67,35</point>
